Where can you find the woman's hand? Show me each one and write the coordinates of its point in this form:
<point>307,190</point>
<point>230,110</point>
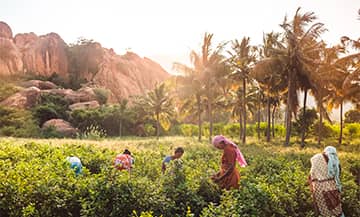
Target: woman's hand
<point>215,178</point>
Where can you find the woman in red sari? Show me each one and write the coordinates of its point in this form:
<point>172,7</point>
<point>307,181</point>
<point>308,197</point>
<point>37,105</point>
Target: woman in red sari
<point>228,177</point>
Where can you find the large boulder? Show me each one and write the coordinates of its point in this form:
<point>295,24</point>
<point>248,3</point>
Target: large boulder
<point>127,75</point>
<point>124,75</point>
<point>85,105</point>
<point>61,126</point>
<point>24,99</point>
<point>43,55</point>
<point>10,58</point>
<point>85,94</point>
<point>5,30</point>
<point>42,85</point>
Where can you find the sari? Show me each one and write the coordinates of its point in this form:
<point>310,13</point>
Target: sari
<point>228,177</point>
<point>324,187</point>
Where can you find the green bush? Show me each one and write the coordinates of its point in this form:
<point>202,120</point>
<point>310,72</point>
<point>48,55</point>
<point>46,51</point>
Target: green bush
<point>305,122</point>
<point>51,132</point>
<point>352,130</point>
<point>352,116</point>
<point>7,89</point>
<point>93,132</point>
<point>17,123</point>
<point>37,181</point>
<point>188,130</point>
<point>327,130</point>
<point>50,107</point>
<point>150,130</point>
<point>102,95</point>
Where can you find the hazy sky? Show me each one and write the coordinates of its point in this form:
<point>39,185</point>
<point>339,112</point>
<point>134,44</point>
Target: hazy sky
<point>166,30</point>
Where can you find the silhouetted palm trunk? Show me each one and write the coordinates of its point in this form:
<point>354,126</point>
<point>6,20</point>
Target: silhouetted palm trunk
<point>199,116</point>
<point>120,128</point>
<point>268,120</point>
<point>341,123</point>
<point>241,128</point>
<point>273,121</point>
<point>258,117</point>
<point>289,107</point>
<point>303,121</point>
<point>320,121</point>
<point>157,125</point>
<point>210,115</point>
<point>244,111</point>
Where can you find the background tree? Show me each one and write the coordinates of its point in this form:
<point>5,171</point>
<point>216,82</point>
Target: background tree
<point>122,114</point>
<point>352,116</point>
<point>301,37</point>
<point>305,120</point>
<point>269,73</point>
<point>191,86</point>
<point>207,63</point>
<point>158,103</point>
<point>242,59</point>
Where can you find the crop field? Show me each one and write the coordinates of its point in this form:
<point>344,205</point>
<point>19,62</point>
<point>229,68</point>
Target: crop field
<point>37,181</point>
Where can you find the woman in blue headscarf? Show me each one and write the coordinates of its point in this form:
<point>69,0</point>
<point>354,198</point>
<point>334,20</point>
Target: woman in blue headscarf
<point>75,164</point>
<point>325,182</point>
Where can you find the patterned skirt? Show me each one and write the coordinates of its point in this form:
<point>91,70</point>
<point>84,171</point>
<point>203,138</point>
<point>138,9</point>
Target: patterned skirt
<point>327,198</point>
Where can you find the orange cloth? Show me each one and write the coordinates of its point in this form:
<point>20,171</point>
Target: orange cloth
<point>229,175</point>
<point>123,162</point>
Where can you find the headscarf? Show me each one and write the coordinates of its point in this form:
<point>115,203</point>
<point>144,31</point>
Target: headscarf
<point>333,165</point>
<point>239,156</point>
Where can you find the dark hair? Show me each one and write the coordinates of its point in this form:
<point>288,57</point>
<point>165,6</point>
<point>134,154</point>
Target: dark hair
<point>127,152</point>
<point>179,150</point>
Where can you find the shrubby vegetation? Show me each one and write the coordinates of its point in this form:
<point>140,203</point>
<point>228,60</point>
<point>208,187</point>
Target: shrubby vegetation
<point>50,107</point>
<point>37,181</point>
<point>17,123</point>
<point>7,89</point>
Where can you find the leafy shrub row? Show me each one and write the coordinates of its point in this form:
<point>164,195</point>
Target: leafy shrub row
<point>37,181</point>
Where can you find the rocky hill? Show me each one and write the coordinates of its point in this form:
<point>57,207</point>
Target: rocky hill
<point>29,54</point>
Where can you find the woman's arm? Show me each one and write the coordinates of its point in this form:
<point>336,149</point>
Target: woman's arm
<point>226,173</point>
<point>163,167</point>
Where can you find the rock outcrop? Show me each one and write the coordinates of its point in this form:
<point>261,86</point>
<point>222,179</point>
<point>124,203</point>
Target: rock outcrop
<point>61,126</point>
<point>10,58</point>
<point>124,75</point>
<point>24,99</point>
<point>30,96</point>
<point>129,74</point>
<point>5,30</point>
<point>85,105</point>
<point>42,85</point>
<point>85,94</point>
<point>43,55</point>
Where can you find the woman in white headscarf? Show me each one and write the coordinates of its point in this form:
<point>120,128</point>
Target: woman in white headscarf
<point>325,182</point>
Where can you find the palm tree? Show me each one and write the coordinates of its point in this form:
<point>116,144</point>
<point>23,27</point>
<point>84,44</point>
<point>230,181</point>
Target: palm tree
<point>235,101</point>
<point>205,66</point>
<point>158,103</point>
<point>260,99</point>
<point>191,87</point>
<point>190,108</point>
<point>275,101</point>
<point>269,72</point>
<point>345,84</point>
<point>298,57</point>
<point>122,113</point>
<point>242,58</point>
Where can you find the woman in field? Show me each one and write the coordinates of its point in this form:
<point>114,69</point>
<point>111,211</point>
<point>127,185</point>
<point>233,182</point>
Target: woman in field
<point>228,177</point>
<point>75,164</point>
<point>124,161</point>
<point>325,182</point>
<point>177,155</point>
